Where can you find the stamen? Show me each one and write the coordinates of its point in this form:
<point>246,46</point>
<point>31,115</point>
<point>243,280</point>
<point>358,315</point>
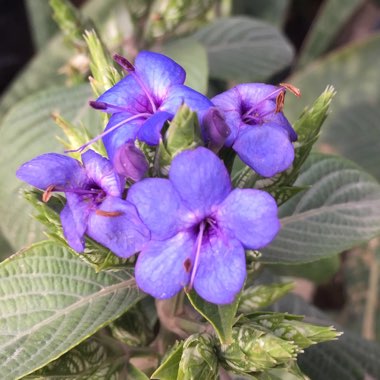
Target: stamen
<point>271,95</point>
<point>294,90</point>
<point>197,255</point>
<point>111,214</point>
<point>187,265</point>
<point>125,64</point>
<point>280,101</point>
<point>47,193</point>
<point>105,133</point>
<point>103,106</point>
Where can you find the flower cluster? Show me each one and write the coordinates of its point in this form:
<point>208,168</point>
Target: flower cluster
<point>191,229</point>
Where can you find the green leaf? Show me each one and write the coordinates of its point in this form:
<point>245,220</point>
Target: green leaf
<point>332,16</point>
<point>319,271</point>
<point>168,370</point>
<point>192,56</point>
<point>221,317</point>
<point>28,130</point>
<point>244,49</point>
<point>50,301</point>
<point>341,210</point>
<point>261,296</point>
<point>93,359</point>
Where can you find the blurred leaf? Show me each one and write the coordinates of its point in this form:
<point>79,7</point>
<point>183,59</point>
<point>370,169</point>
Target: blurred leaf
<point>350,357</point>
<point>260,296</point>
<point>5,248</point>
<point>40,19</point>
<point>361,276</point>
<point>353,71</point>
<point>91,360</point>
<point>244,49</point>
<point>273,11</point>
<point>319,271</point>
<point>168,17</point>
<point>70,21</point>
<point>221,317</point>
<point>192,56</point>
<point>42,71</point>
<point>341,210</point>
<point>168,370</point>
<point>331,17</point>
<point>354,133</point>
<point>28,130</point>
<point>51,301</point>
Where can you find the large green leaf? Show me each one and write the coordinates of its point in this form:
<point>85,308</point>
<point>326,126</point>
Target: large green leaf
<point>50,301</point>
<point>192,56</point>
<point>244,49</point>
<point>341,209</point>
<point>354,133</point>
<point>28,130</point>
<point>330,19</point>
<point>91,360</point>
<point>353,71</point>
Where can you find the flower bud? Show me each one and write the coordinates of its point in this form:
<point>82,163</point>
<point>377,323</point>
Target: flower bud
<point>130,162</point>
<point>215,128</point>
<point>254,350</point>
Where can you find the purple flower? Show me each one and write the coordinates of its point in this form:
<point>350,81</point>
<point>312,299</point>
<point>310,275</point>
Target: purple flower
<point>94,205</point>
<point>199,228</point>
<point>143,101</point>
<point>260,133</point>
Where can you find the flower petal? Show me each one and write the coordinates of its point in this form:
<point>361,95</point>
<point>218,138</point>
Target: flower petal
<point>163,268</point>
<point>158,72</point>
<point>221,271</point>
<point>249,216</point>
<point>74,217</point>
<point>74,237</point>
<point>100,170</point>
<point>150,131</point>
<point>127,94</point>
<point>117,226</point>
<point>180,94</point>
<point>126,132</point>
<point>201,180</point>
<point>53,169</point>
<point>265,148</point>
<point>160,208</point>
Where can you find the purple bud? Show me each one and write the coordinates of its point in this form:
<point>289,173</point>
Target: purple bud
<point>98,105</point>
<point>130,162</point>
<point>216,128</point>
<point>123,62</point>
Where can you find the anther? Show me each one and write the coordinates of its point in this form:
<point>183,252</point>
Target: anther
<point>187,265</point>
<point>123,62</point>
<point>47,193</point>
<point>111,214</point>
<point>294,90</point>
<point>98,105</point>
<point>280,101</point>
